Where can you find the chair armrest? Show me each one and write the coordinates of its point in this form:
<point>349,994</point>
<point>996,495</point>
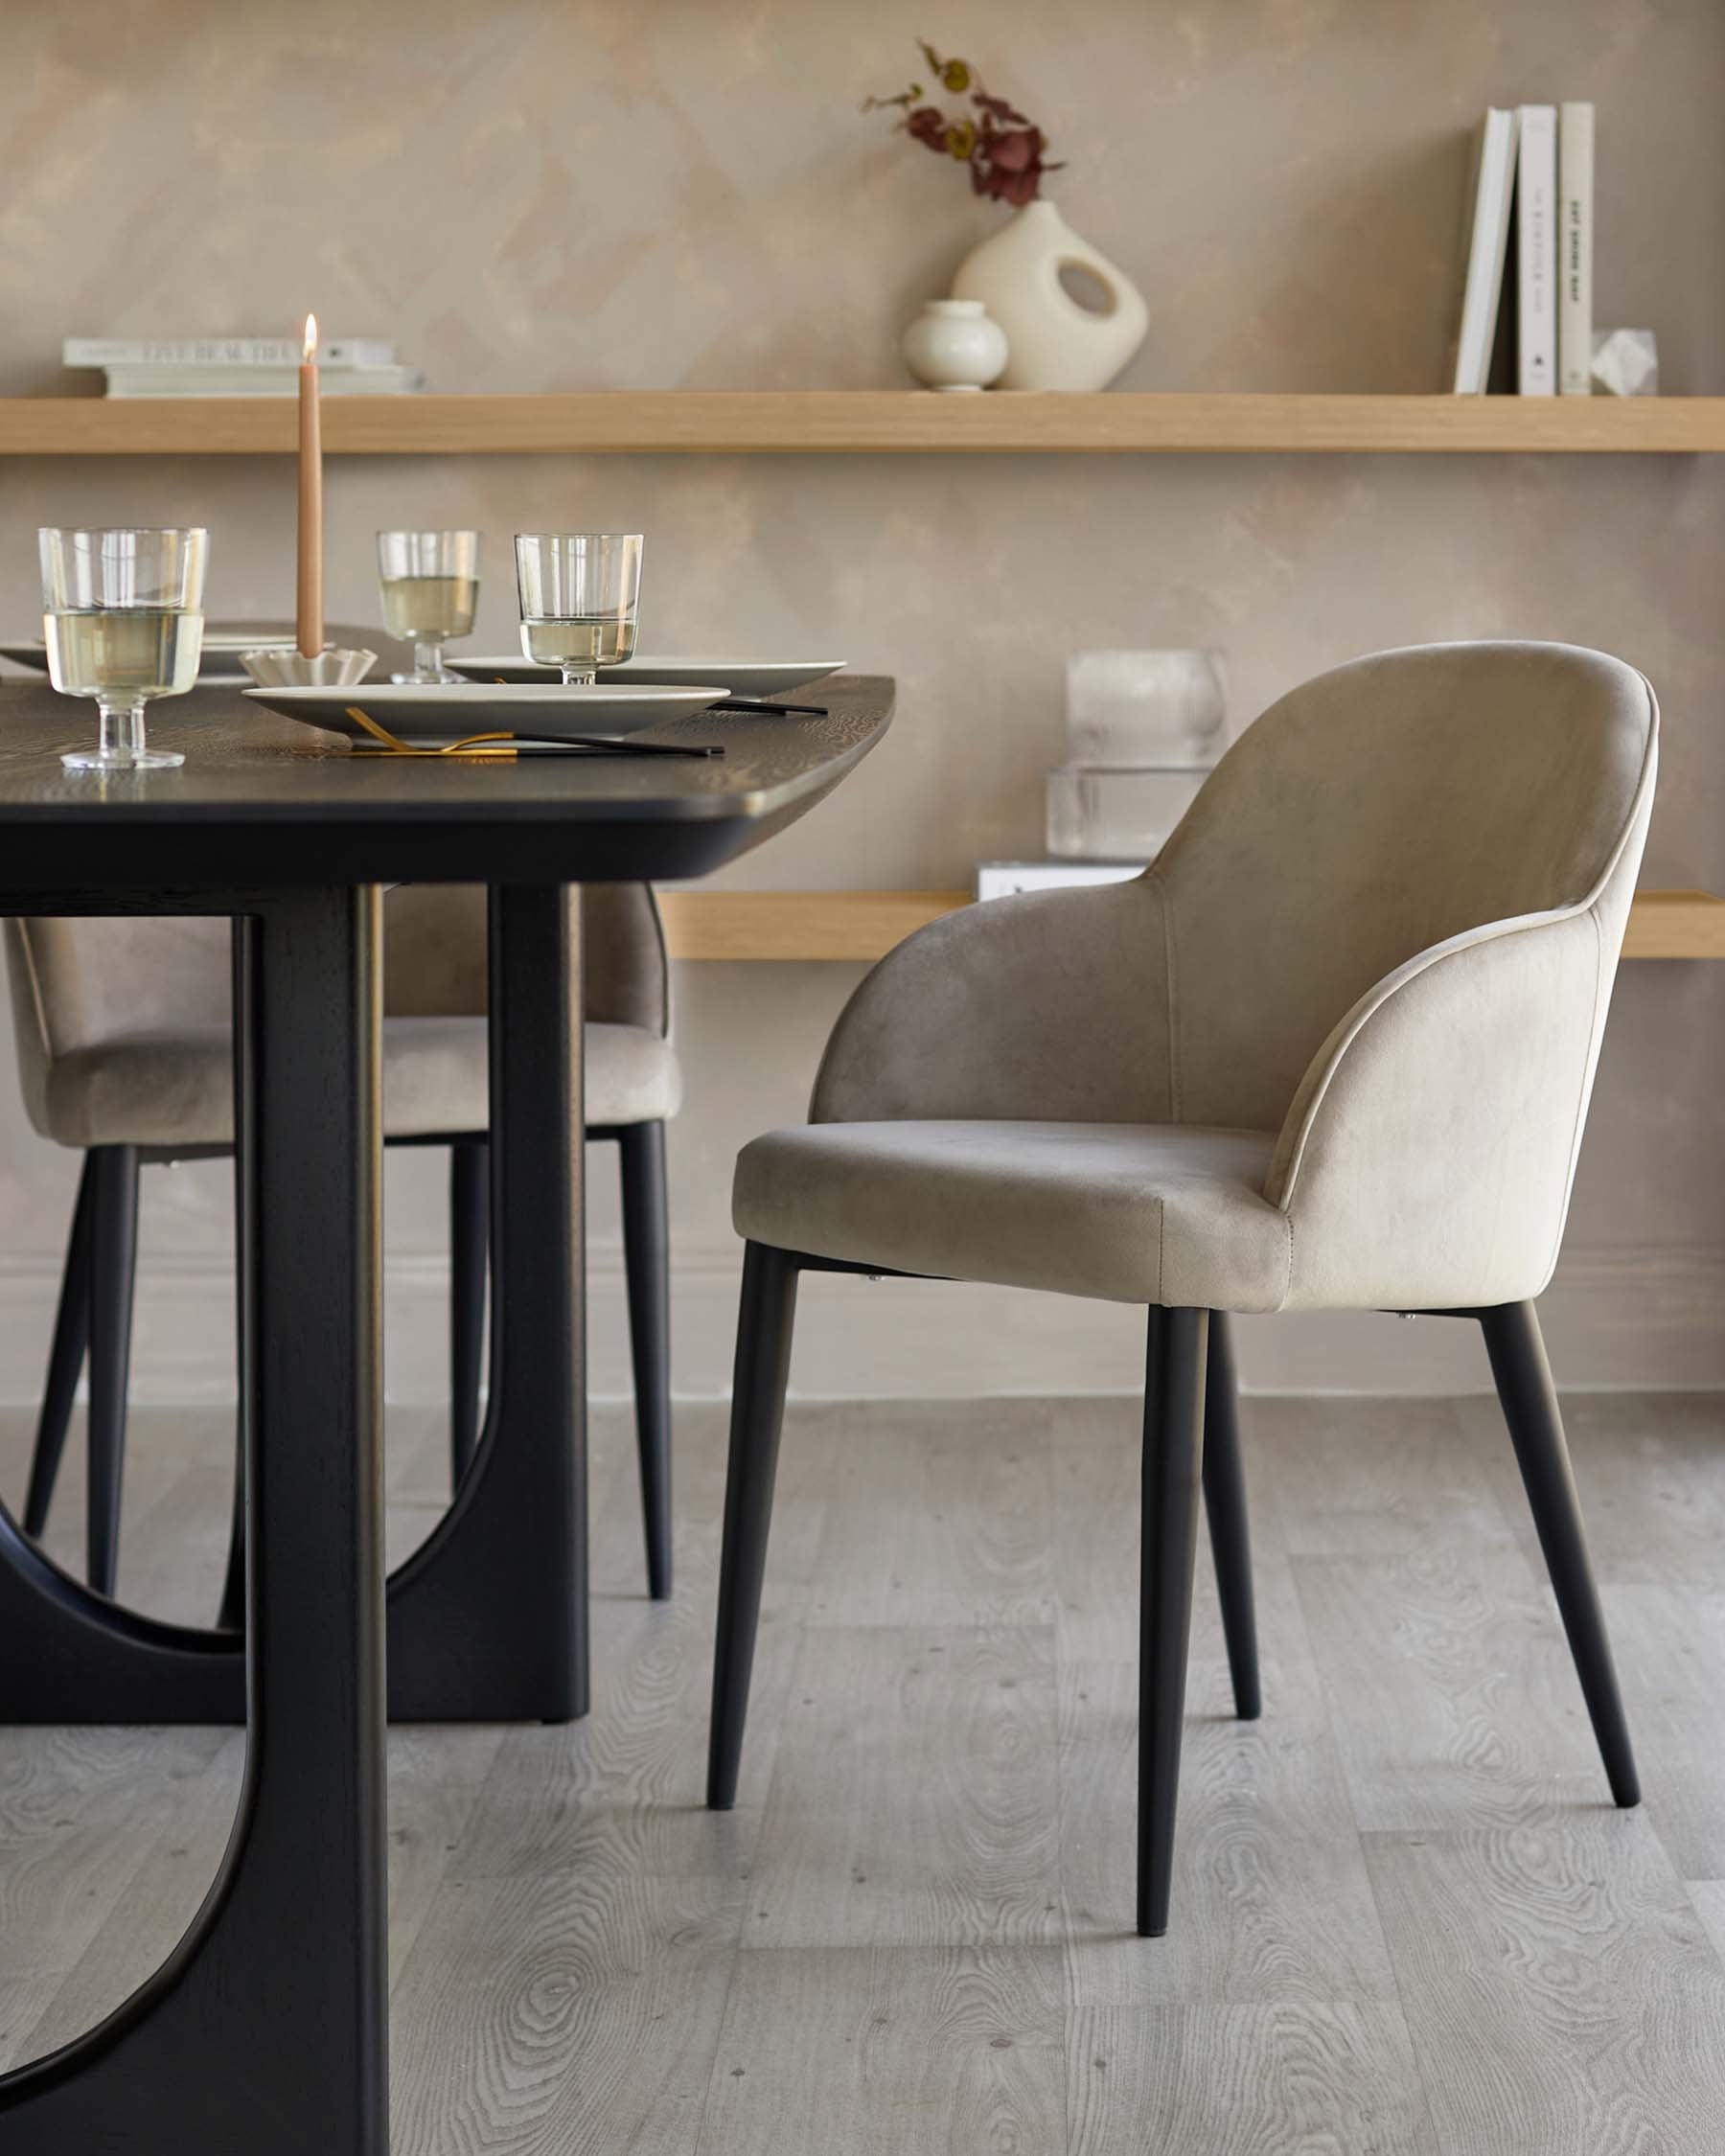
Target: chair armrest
<point>1053,1004</point>
<point>1427,1157</point>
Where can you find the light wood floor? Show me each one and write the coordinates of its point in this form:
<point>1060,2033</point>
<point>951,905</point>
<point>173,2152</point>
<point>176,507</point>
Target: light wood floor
<point>1407,1921</point>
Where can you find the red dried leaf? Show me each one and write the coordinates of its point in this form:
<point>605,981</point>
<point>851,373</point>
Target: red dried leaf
<point>998,109</point>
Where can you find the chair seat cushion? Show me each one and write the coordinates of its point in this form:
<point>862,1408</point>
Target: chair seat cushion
<point>1128,1212</point>
<point>172,1089</point>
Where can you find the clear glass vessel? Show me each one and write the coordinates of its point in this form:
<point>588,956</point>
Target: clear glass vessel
<point>123,619</point>
<point>430,583</point>
<point>579,593</point>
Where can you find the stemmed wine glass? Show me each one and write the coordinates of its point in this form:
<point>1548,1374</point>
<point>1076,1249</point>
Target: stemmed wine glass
<point>430,583</point>
<point>122,618</point>
<point>578,592</point>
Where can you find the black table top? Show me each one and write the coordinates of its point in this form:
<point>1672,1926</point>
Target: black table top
<point>263,801</point>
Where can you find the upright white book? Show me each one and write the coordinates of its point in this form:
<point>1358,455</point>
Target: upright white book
<point>1575,250</point>
<point>1536,252</point>
<point>1494,182</point>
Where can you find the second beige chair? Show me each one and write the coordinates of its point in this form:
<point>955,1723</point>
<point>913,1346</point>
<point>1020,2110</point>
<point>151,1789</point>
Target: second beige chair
<point>123,1051</point>
<point>1332,1051</point>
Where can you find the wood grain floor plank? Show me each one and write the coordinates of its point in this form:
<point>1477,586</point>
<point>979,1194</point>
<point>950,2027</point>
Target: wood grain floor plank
<point>1450,1691</point>
<point>1369,1477</point>
<point>437,1777</point>
<point>80,1810</point>
<point>23,2001</point>
<point>1708,1895</point>
<point>938,1515</point>
<point>574,2014</point>
<point>701,1444</point>
<point>1271,1898</point>
<point>1669,1645</point>
<point>1560,1990</point>
<point>1097,1454</point>
<point>914,1795</point>
<point>434,1781</point>
<point>1290,2079</point>
<point>156,1908</point>
<point>1646,1466</point>
<point>632,1774</point>
<point>882,2051</point>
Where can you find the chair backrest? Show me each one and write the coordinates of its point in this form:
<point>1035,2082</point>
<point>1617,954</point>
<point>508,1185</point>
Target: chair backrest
<point>78,981</point>
<point>434,954</point>
<point>1370,814</point>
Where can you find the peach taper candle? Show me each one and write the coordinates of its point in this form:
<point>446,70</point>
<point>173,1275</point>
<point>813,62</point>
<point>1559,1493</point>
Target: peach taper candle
<point>311,620</point>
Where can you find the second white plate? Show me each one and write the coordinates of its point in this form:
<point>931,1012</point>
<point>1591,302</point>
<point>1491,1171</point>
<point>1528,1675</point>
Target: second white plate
<point>742,678</point>
<point>446,712</point>
<point>223,644</point>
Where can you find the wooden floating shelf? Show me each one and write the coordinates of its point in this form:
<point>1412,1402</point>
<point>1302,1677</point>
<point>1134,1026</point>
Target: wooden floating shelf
<point>810,422</point>
<point>863,926</point>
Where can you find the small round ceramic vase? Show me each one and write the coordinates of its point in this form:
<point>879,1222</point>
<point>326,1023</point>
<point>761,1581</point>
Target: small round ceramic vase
<point>953,345</point>
<point>1052,342</point>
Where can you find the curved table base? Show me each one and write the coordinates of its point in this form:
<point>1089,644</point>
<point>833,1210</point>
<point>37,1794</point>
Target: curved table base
<point>266,2029</point>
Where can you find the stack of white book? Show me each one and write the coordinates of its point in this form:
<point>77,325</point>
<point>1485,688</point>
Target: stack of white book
<point>1528,291</point>
<point>239,366</point>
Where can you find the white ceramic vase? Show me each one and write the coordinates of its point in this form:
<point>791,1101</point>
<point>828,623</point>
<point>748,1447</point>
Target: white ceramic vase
<point>1052,342</point>
<point>953,345</point>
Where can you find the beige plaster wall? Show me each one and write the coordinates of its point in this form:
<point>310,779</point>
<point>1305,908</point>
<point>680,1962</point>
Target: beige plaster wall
<point>572,196</point>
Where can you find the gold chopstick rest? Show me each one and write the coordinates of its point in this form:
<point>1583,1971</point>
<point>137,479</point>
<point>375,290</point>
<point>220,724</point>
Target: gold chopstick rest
<point>473,745</point>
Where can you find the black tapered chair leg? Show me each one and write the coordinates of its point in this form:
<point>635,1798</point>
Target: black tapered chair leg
<point>1529,1402</point>
<point>762,1368</point>
<point>647,1262</point>
<point>1174,1376</point>
<point>65,1358</point>
<point>1225,1503</point>
<point>470,1242</point>
<point>113,1263</point>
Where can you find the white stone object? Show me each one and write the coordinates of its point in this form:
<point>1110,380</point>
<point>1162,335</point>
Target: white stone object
<point>1012,879</point>
<point>1053,341</point>
<point>1146,709</point>
<point>1116,816</point>
<point>1625,362</point>
<point>953,345</point>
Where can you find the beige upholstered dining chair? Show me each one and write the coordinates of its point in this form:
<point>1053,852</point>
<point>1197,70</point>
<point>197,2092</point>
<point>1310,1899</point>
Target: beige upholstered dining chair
<point>1332,1051</point>
<point>123,1051</point>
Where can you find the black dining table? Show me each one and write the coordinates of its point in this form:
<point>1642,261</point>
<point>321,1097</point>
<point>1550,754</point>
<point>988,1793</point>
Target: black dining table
<point>266,2029</point>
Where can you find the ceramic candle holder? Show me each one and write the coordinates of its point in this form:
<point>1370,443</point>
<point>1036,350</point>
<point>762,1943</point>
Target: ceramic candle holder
<point>328,669</point>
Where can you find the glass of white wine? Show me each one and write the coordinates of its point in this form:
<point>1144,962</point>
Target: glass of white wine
<point>430,591</point>
<point>578,592</point>
<point>122,617</point>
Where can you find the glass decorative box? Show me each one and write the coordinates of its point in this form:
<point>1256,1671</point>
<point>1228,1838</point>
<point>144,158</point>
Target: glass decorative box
<point>1143,728</point>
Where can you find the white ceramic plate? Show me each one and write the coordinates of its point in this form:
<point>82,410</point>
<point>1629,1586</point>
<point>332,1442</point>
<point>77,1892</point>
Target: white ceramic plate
<point>444,713</point>
<point>742,678</point>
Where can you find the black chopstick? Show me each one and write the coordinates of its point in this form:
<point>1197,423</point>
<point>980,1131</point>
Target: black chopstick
<point>617,744</point>
<point>604,745</point>
<point>755,703</point>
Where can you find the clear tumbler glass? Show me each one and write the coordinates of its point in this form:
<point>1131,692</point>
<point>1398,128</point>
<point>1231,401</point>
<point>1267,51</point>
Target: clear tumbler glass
<point>578,592</point>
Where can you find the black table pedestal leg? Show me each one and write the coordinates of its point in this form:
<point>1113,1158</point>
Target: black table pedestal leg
<point>488,1620</point>
<point>265,2031</point>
